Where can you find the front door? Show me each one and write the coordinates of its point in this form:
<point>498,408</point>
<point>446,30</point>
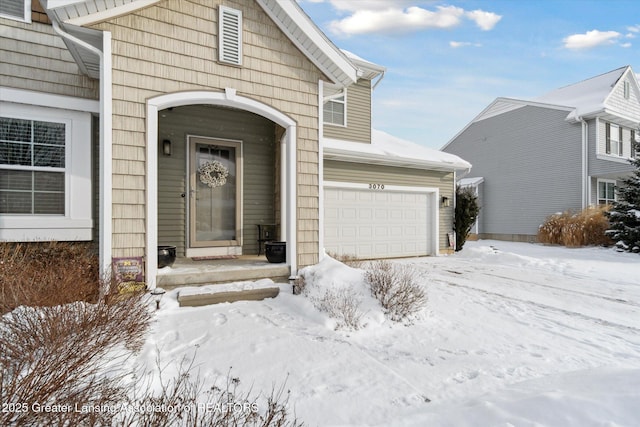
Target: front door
<point>215,180</point>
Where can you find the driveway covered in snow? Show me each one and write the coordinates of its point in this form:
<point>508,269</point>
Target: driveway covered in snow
<point>513,334</point>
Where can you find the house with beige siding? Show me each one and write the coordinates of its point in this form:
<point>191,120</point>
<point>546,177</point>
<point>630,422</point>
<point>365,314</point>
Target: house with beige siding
<point>196,124</point>
<point>564,150</point>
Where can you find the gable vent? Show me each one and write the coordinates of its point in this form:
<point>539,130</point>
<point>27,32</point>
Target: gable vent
<point>16,9</point>
<point>230,36</point>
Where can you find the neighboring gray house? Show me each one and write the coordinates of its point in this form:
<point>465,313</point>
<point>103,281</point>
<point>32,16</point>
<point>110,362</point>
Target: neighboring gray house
<point>564,150</point>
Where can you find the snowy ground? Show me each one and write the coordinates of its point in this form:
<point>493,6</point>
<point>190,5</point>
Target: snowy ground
<point>514,335</point>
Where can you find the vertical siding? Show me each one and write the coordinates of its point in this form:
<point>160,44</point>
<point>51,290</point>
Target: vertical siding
<point>172,47</point>
<point>530,161</point>
<point>362,173</point>
<point>358,115</point>
<point>35,58</point>
<point>258,168</point>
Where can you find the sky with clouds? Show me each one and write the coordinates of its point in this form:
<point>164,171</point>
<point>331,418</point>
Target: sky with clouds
<point>447,61</point>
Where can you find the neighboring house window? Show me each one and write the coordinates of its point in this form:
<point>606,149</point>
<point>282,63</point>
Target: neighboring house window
<point>19,10</point>
<point>606,192</point>
<point>335,109</point>
<point>613,139</point>
<point>230,36</point>
<point>633,144</point>
<point>32,167</point>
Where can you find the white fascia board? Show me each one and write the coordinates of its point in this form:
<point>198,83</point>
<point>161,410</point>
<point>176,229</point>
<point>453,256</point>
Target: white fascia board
<point>22,96</point>
<point>343,71</point>
<point>103,15</point>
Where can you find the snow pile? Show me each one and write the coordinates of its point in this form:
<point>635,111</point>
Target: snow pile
<point>341,293</point>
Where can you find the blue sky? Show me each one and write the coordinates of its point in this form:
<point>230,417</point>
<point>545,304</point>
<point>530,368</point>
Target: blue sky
<point>447,61</point>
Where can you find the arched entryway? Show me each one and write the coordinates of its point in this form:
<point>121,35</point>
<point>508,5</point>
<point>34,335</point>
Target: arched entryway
<point>230,149</point>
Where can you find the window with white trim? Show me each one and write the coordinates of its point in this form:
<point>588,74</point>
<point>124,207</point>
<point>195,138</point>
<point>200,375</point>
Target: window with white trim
<point>627,89</point>
<point>606,191</point>
<point>335,106</point>
<point>45,173</point>
<point>20,10</point>
<point>32,166</point>
<point>230,35</point>
<point>614,140</point>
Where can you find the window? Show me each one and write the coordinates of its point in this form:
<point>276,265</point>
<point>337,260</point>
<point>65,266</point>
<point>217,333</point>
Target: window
<point>627,89</point>
<point>606,192</point>
<point>334,111</point>
<point>633,144</point>
<point>45,168</point>
<point>613,139</point>
<point>19,10</point>
<point>230,36</point>
<point>32,167</point>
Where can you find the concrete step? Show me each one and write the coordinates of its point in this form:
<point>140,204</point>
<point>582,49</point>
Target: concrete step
<point>186,299</point>
<point>207,274</point>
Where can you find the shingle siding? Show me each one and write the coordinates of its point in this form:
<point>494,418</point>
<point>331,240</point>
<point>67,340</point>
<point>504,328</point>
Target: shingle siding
<point>172,47</point>
<point>530,161</point>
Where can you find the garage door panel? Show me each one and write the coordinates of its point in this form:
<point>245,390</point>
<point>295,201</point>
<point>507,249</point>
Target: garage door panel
<point>377,224</point>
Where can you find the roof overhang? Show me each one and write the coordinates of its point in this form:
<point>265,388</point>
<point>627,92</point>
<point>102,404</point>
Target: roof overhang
<point>357,152</point>
<point>87,12</point>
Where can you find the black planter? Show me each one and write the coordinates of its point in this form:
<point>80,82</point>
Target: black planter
<point>276,251</point>
<point>166,256</point>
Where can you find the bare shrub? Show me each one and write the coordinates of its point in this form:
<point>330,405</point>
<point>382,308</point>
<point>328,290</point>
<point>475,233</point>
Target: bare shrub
<point>584,228</point>
<point>184,401</point>
<point>348,259</point>
<point>342,305</point>
<point>395,286</point>
<point>47,274</point>
<point>299,285</point>
<point>68,355</point>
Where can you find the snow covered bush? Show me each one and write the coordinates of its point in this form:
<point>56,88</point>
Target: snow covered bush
<point>395,286</point>
<point>466,214</point>
<point>625,212</point>
<point>343,305</point>
<point>68,355</point>
<point>587,227</point>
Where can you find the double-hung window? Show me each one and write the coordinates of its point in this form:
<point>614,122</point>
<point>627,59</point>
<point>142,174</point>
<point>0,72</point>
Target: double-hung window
<point>606,192</point>
<point>45,173</point>
<point>335,106</point>
<point>20,10</point>
<point>32,166</point>
<point>614,140</point>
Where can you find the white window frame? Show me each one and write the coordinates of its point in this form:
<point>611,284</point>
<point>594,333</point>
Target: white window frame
<point>26,16</point>
<point>225,38</point>
<point>335,98</point>
<point>606,199</point>
<point>627,89</point>
<point>77,222</point>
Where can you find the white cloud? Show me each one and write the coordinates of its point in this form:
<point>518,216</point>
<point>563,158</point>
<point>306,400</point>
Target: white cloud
<point>485,20</point>
<point>455,44</point>
<point>630,36</point>
<point>590,39</point>
<point>397,16</point>
<point>625,45</point>
<point>634,28</point>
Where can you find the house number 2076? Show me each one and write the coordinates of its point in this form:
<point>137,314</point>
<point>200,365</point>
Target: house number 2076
<point>376,186</point>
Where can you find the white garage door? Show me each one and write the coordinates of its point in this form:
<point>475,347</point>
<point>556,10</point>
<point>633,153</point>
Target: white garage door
<point>378,223</point>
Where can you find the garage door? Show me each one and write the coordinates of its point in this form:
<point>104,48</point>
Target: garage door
<point>378,223</point>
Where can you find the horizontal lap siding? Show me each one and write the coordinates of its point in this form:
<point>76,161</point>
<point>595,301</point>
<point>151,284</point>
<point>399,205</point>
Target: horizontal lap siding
<point>358,126</point>
<point>530,159</point>
<point>388,175</point>
<point>35,58</point>
<point>172,47</point>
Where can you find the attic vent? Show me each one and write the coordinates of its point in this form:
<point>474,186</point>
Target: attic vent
<point>230,36</point>
<point>16,9</point>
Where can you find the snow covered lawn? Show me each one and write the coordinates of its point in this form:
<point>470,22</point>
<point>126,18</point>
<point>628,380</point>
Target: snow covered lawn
<point>513,334</point>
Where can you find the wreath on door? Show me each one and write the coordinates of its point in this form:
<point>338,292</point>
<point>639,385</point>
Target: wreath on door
<point>214,174</point>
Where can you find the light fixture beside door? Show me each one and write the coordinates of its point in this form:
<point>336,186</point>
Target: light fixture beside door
<point>166,147</point>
